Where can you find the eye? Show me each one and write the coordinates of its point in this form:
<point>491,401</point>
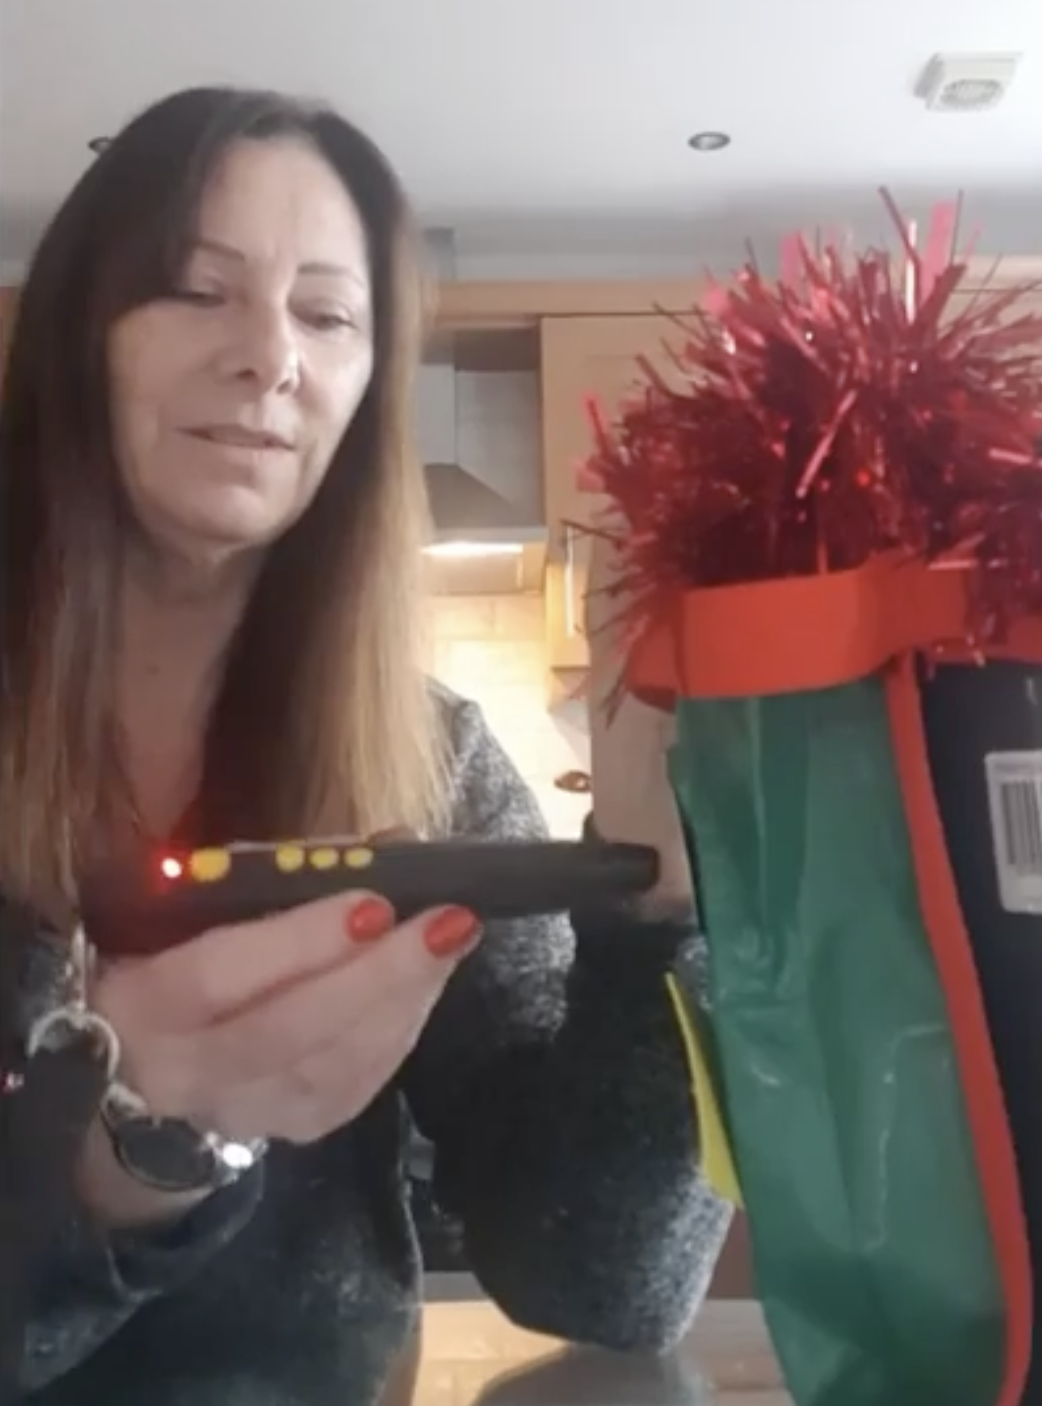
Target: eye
<point>325,320</point>
<point>197,297</point>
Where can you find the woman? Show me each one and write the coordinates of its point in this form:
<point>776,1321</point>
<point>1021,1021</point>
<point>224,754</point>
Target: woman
<point>212,529</point>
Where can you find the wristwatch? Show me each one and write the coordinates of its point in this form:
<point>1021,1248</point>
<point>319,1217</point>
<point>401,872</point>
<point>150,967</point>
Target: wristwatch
<point>171,1154</point>
<point>164,1154</point>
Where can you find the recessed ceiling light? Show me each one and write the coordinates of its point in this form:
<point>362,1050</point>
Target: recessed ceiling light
<point>98,144</point>
<point>709,141</point>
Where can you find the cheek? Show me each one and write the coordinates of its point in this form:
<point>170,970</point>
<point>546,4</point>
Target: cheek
<point>337,403</point>
<point>138,438</point>
<point>133,427</point>
<point>139,381</point>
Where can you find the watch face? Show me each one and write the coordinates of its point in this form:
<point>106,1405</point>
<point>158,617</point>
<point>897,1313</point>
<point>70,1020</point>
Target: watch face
<point>166,1154</point>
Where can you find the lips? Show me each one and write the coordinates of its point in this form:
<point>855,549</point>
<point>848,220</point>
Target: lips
<point>235,436</point>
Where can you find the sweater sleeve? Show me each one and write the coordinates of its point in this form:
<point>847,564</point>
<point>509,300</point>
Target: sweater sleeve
<point>552,1082</point>
<point>93,1281</point>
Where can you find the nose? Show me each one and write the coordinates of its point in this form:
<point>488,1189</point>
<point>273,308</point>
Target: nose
<point>264,350</point>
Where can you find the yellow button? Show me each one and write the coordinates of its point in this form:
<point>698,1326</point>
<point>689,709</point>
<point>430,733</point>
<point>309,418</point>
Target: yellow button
<point>358,858</point>
<point>206,866</point>
<point>289,858</point>
<point>325,858</point>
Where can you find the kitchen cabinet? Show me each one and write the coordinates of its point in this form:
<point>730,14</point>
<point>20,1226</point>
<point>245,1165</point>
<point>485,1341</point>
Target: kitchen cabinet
<point>1028,304</point>
<point>584,357</point>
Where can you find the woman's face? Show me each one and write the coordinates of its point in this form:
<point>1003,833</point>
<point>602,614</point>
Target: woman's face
<point>230,397</point>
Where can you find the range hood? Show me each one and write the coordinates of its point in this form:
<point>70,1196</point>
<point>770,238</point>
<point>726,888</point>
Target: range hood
<point>487,540</point>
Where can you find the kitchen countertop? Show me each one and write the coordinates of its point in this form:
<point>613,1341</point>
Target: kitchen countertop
<point>472,1356</point>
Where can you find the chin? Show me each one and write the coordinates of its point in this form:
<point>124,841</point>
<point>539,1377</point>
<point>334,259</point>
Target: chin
<point>210,542</point>
<point>209,521</point>
<point>236,533</point>
<point>240,520</point>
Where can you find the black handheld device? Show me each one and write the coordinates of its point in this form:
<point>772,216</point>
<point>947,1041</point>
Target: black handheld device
<point>163,900</point>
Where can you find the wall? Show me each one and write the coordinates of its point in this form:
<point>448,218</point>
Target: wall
<point>491,649</point>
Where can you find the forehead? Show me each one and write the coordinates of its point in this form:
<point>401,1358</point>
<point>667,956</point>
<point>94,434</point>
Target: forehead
<point>281,200</point>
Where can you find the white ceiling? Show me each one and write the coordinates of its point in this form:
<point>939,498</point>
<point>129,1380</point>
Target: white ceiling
<point>512,118</point>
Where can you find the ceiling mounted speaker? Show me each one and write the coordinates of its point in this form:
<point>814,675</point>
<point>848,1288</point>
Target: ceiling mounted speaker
<point>967,82</point>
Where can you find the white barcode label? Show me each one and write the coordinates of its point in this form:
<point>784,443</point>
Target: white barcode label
<point>1015,802</point>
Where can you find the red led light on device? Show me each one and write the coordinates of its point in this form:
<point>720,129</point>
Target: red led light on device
<point>172,868</point>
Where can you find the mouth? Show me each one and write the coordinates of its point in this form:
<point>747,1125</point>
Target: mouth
<point>238,437</point>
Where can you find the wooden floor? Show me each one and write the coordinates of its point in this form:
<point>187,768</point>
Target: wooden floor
<point>473,1357</point>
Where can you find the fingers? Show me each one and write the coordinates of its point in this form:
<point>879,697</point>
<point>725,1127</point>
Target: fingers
<point>248,962</point>
<point>230,969</point>
<point>289,1026</point>
<point>381,985</point>
<point>398,973</point>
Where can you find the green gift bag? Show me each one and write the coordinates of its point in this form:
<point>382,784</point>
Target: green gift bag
<point>827,489</point>
<point>848,1043</point>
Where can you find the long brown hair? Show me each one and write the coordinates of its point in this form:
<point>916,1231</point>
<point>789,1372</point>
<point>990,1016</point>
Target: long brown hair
<point>324,723</point>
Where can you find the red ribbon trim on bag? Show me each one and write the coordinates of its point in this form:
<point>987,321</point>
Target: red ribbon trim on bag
<point>806,633</point>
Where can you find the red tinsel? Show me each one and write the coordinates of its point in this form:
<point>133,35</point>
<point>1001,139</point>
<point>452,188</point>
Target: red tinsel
<point>842,411</point>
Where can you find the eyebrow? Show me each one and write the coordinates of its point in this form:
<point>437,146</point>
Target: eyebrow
<point>228,251</point>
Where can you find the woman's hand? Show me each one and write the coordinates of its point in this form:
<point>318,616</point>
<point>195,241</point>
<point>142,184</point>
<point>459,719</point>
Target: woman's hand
<point>629,746</point>
<point>283,1028</point>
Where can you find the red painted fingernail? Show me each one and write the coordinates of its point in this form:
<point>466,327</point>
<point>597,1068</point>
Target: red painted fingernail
<point>451,931</point>
<point>369,920</point>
